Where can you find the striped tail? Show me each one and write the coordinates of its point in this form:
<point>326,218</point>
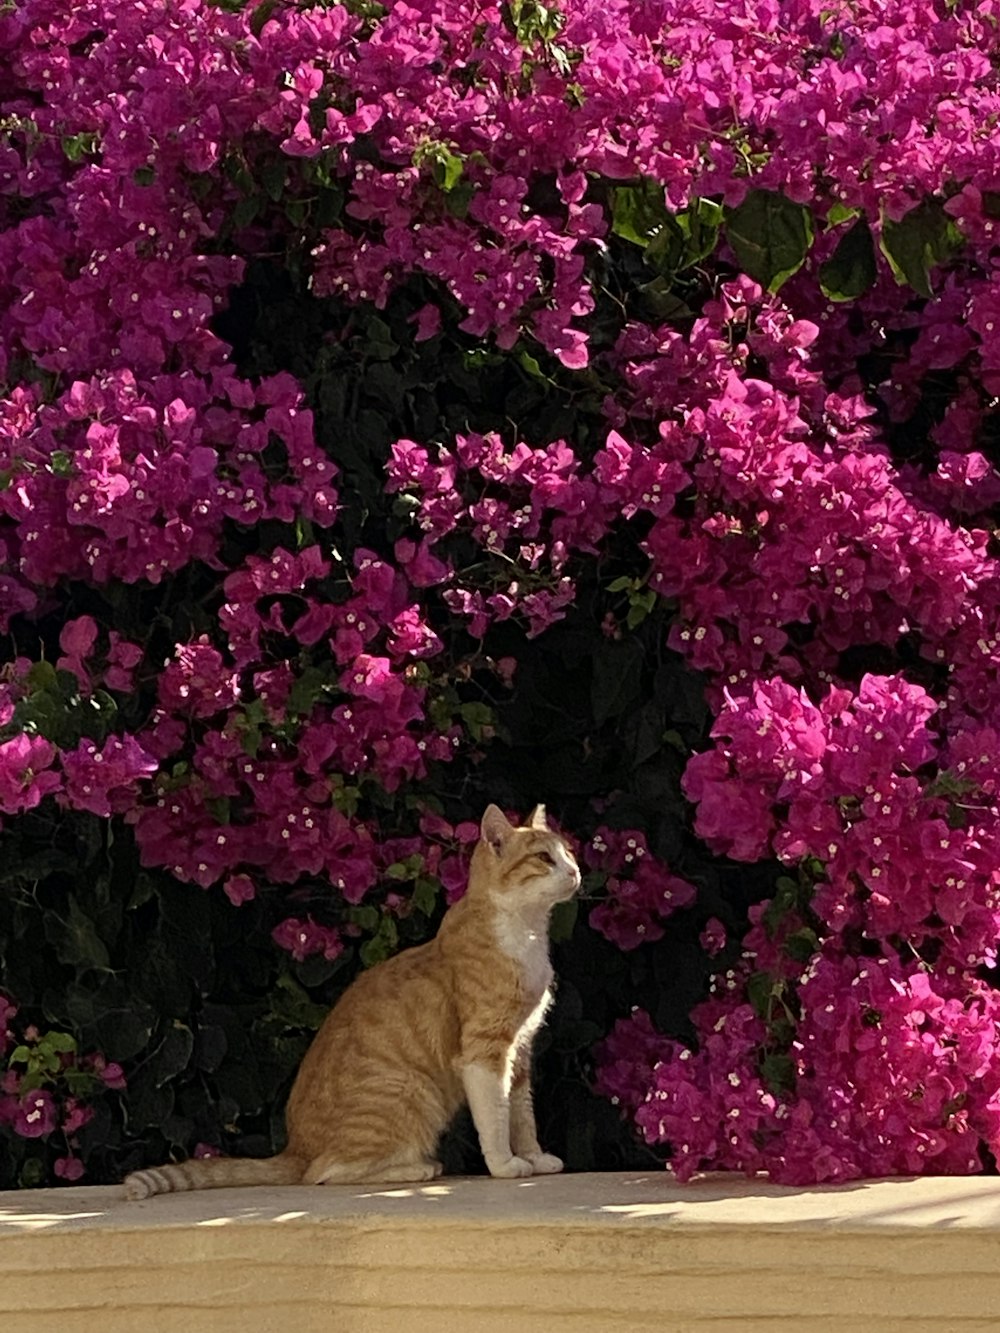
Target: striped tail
<point>208,1173</point>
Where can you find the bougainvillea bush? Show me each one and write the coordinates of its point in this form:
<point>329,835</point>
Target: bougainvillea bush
<point>409,406</point>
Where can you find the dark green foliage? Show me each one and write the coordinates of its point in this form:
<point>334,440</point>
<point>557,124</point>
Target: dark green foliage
<point>850,271</point>
<point>770,236</point>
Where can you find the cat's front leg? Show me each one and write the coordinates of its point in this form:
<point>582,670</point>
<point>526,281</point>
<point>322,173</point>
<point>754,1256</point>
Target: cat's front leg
<point>524,1132</point>
<point>490,1107</point>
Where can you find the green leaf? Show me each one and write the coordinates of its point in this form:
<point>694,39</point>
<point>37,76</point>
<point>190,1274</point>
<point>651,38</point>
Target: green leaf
<point>81,1082</point>
<point>642,733</point>
<point>274,173</point>
<point>802,944</point>
<point>638,212</point>
<point>260,16</point>
<point>529,364</point>
<point>148,1105</point>
<point>123,1033</point>
<point>382,945</point>
<point>778,1072</point>
<point>918,242</point>
<point>366,9</point>
<point>292,1005</point>
<point>75,939</point>
<point>425,895</point>
<point>61,463</point>
<point>32,1173</point>
<point>699,224</point>
<point>42,676</point>
<point>219,808</point>
<point>840,213</point>
<point>770,236</point>
<point>211,1045</point>
<point>667,250</point>
<point>345,798</point>
<point>297,212</point>
<point>406,869</point>
<point>308,689</point>
<point>245,211</point>
<point>78,146</point>
<point>479,718</point>
<point>250,725</point>
<point>531,21</point>
<point>563,920</point>
<point>305,534</point>
<point>660,303</point>
<point>850,271</point>
<point>57,1041</point>
<point>760,992</point>
<point>143,889</point>
<point>367,917</point>
<point>144,175</point>
<point>174,1053</point>
<point>329,206</point>
<point>446,166</point>
<point>593,882</point>
<point>640,605</point>
<point>93,717</point>
<point>380,344</point>
<point>785,900</point>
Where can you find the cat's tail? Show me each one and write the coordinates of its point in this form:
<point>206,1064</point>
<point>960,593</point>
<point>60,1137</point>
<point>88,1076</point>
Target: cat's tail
<point>206,1173</point>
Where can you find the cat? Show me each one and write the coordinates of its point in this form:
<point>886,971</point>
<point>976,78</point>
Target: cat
<point>418,1036</point>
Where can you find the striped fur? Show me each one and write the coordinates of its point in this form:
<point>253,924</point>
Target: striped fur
<point>214,1173</point>
<point>413,1039</point>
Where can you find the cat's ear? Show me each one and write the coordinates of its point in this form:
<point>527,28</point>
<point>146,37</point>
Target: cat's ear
<point>496,828</point>
<point>537,818</point>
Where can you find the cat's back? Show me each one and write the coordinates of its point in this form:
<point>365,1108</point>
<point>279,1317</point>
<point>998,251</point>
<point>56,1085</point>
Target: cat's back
<point>399,1009</point>
<point>381,1066</point>
<point>391,989</point>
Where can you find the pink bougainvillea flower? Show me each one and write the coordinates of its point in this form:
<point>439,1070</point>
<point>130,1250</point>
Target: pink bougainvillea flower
<point>36,1115</point>
<point>25,772</point>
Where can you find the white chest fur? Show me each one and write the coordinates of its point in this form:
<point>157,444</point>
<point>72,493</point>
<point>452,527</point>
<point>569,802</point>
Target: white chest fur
<point>527,943</point>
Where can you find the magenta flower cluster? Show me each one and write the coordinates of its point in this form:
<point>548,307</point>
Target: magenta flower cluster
<point>47,1085</point>
<point>640,892</point>
<point>893,1046</point>
<point>490,156</point>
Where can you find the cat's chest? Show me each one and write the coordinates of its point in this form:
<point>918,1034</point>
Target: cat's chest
<point>528,949</point>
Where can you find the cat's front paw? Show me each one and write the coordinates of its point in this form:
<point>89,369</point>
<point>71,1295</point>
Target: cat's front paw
<point>510,1168</point>
<point>545,1164</point>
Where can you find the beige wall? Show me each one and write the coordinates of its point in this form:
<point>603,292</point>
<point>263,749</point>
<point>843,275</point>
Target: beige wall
<point>573,1254</point>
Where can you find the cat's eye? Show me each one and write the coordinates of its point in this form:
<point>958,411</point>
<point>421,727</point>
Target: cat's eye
<point>544,856</point>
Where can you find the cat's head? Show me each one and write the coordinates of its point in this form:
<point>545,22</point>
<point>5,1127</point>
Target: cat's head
<point>529,863</point>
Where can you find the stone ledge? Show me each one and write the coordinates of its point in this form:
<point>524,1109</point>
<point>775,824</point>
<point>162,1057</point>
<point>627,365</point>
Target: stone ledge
<point>571,1254</point>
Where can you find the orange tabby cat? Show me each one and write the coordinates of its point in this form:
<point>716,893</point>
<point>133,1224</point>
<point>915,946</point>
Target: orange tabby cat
<point>413,1039</point>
